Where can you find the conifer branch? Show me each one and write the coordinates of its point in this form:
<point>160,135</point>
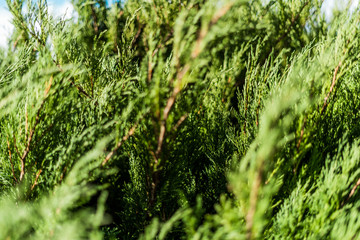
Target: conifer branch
<point>351,192</point>
<point>204,31</point>
<point>32,131</point>
<point>36,179</point>
<point>126,137</point>
<point>331,89</point>
<point>292,24</point>
<point>293,21</point>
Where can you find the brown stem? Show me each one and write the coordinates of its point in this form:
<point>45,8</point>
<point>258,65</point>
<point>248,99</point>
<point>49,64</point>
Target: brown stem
<point>36,179</point>
<point>149,71</point>
<point>331,89</point>
<point>352,192</point>
<point>32,131</point>
<point>129,134</point>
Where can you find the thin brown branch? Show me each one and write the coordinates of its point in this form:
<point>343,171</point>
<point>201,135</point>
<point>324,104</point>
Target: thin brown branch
<point>129,134</point>
<point>331,88</point>
<point>165,40</point>
<point>352,192</point>
<point>137,34</point>
<point>10,158</point>
<point>149,71</point>
<point>180,121</point>
<point>32,131</point>
<point>36,179</point>
<point>171,100</point>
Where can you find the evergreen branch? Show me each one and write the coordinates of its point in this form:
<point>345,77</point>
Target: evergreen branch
<point>126,137</point>
<point>170,34</point>
<point>27,148</point>
<point>204,31</point>
<point>331,88</point>
<point>36,179</point>
<point>32,131</point>
<point>42,43</point>
<point>293,21</point>
<point>43,134</point>
<point>292,24</point>
<point>179,122</point>
<point>170,102</point>
<point>351,192</point>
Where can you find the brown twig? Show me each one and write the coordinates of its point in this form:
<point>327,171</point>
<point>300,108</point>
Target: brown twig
<point>180,121</point>
<point>137,34</point>
<point>331,88</point>
<point>149,71</point>
<point>36,179</point>
<point>32,131</point>
<point>165,40</point>
<point>27,148</point>
<point>129,134</point>
<point>352,192</point>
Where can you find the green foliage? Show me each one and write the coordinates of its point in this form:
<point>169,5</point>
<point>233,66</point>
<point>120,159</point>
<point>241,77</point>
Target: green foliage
<point>200,119</point>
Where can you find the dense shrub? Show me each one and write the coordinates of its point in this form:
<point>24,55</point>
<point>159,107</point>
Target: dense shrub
<point>201,119</point>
